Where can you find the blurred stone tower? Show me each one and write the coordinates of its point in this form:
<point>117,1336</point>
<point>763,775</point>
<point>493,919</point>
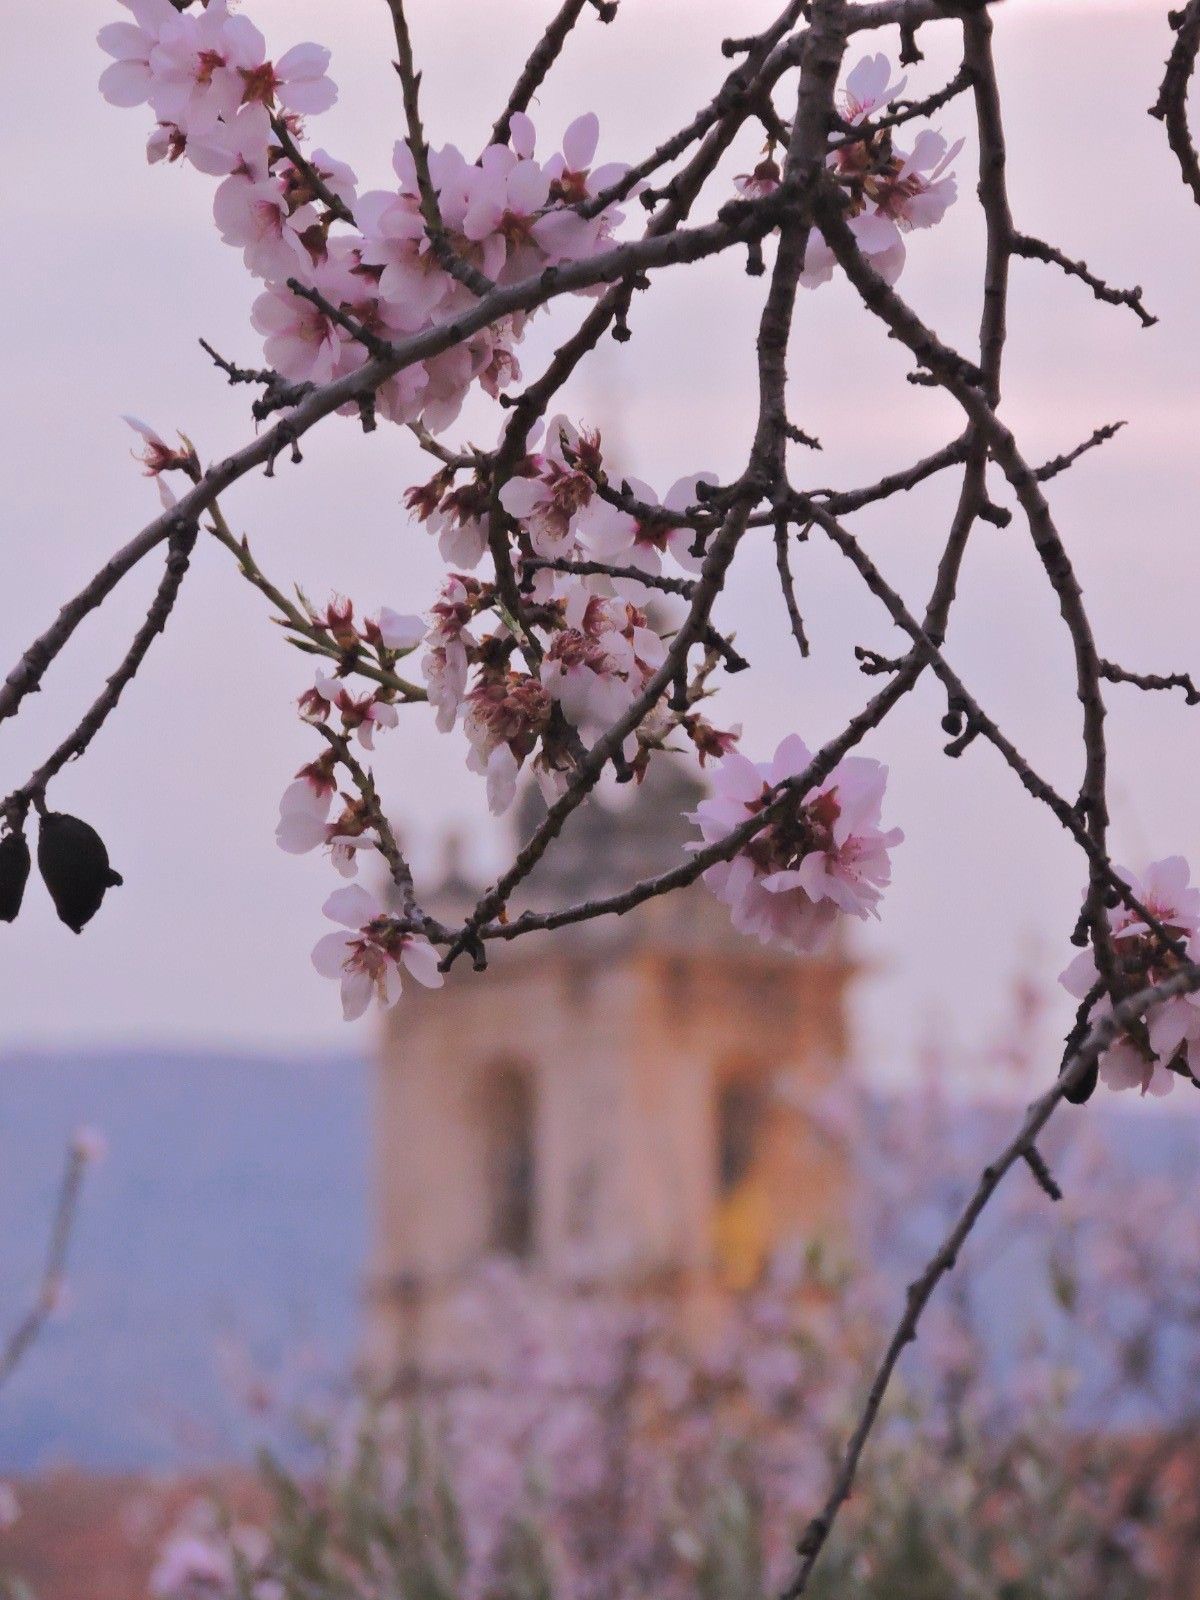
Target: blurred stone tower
<point>618,1106</point>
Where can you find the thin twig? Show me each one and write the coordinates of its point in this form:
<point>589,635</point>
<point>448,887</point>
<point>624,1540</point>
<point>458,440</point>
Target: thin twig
<point>49,1293</point>
<point>920,1291</point>
<point>1051,469</point>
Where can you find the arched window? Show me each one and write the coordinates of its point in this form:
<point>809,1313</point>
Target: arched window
<point>739,1120</point>
<point>742,1220</point>
<point>511,1162</point>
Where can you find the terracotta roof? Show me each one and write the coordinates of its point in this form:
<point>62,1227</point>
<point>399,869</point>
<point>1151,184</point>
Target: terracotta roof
<point>79,1536</point>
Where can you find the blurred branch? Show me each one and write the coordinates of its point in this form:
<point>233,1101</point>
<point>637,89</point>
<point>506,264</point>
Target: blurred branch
<point>49,1292</point>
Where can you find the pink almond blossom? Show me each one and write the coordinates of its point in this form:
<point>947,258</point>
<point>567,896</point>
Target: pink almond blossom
<point>446,665</point>
<point>507,196</point>
<point>252,210</point>
<point>825,855</point>
<point>869,87</point>
<point>304,826</point>
<point>394,630</point>
<point>159,457</point>
<point>368,957</point>
<point>506,714</point>
<point>889,191</point>
<point>621,539</point>
<point>547,505</point>
<point>598,664</point>
<point>1172,1027</point>
<point>362,712</point>
<point>562,233</point>
<point>195,64</point>
<point>299,341</point>
<point>128,81</point>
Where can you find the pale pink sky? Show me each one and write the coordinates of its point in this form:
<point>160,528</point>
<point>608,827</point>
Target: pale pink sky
<point>112,269</point>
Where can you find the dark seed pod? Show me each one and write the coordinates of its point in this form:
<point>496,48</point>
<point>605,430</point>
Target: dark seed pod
<point>1082,1089</point>
<point>14,874</point>
<point>74,865</point>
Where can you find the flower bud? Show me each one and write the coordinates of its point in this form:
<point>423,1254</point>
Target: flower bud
<point>14,874</point>
<point>74,866</point>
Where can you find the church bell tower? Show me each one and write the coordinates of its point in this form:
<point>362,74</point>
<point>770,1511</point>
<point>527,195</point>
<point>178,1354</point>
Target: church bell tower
<point>618,1107</point>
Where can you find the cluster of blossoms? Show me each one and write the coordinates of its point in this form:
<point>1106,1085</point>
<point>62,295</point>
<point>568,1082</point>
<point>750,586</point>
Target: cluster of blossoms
<point>822,855</point>
<point>1149,1057</point>
<point>563,507</point>
<point>367,961</point>
<point>599,649</point>
<point>531,692</point>
<point>888,191</point>
<point>304,809</point>
<point>601,654</point>
<point>224,106</point>
<point>527,707</point>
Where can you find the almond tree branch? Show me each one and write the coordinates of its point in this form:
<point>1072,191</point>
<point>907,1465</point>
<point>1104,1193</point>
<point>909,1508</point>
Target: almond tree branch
<point>1171,106</point>
<point>1185,981</point>
<point>297,621</point>
<point>180,544</point>
<point>654,252</point>
<point>1026,245</point>
<point>543,56</point>
<point>49,1290</point>
<point>825,42</point>
<point>410,85</point>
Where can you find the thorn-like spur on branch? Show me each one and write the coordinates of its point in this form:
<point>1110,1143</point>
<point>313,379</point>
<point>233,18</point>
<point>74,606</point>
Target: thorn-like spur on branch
<point>1024,244</point>
<point>798,436</point>
<point>723,647</point>
<point>1151,680</point>
<point>921,1290</point>
<point>1051,469</point>
<point>872,664</point>
<point>1043,1177</point>
<point>1171,106</point>
<point>236,374</point>
<point>410,87</point>
<point>783,565</point>
<point>277,394</point>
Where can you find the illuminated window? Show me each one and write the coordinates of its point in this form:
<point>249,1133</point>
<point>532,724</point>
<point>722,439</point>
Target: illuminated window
<point>739,1119</point>
<point>511,1166</point>
<point>743,1221</point>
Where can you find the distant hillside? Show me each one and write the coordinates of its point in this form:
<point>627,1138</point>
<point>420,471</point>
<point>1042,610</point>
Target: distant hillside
<point>225,1233</point>
<point>229,1215</point>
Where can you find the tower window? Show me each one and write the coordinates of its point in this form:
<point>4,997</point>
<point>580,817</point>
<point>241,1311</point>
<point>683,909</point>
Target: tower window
<point>511,1163</point>
<point>743,1213</point>
<point>739,1119</point>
